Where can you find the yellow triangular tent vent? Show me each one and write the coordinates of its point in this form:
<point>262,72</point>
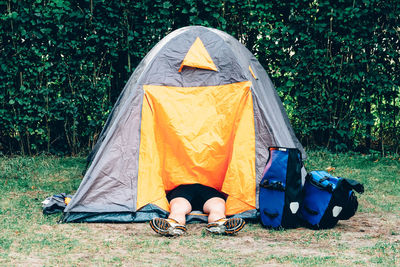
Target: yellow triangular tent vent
<point>198,57</point>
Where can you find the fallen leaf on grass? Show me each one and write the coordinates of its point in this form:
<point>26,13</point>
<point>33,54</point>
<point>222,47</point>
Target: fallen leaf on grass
<point>330,169</point>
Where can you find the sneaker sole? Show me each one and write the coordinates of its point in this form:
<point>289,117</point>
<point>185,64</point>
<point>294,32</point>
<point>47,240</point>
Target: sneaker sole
<point>170,231</point>
<point>221,228</point>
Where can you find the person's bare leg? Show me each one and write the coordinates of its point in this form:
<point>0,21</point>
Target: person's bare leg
<point>180,207</point>
<point>215,208</point>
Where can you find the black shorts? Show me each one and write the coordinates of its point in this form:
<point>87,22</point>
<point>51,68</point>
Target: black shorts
<point>196,194</point>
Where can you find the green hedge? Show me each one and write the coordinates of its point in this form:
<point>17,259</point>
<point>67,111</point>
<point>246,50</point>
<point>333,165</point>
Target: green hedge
<point>63,64</point>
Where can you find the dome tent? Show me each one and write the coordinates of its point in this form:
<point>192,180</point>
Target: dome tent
<point>199,108</point>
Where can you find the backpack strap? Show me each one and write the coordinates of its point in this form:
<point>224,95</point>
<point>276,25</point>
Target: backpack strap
<point>353,184</point>
<point>271,215</point>
<point>273,185</point>
<point>320,183</point>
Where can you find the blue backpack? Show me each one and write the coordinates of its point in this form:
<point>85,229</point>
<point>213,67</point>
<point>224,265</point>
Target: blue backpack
<point>281,188</point>
<point>328,199</point>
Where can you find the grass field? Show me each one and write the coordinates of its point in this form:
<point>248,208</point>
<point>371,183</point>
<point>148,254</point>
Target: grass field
<point>371,237</point>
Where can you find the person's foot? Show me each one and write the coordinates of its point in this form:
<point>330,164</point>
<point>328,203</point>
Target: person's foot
<point>226,226</point>
<point>167,227</point>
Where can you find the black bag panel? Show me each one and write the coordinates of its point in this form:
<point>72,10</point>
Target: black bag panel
<point>350,209</point>
<point>293,192</point>
<point>345,197</point>
<point>335,206</point>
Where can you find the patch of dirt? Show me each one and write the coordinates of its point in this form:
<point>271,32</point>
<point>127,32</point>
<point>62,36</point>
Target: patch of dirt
<point>351,242</point>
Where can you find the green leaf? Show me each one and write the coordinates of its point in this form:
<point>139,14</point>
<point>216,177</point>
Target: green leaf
<point>167,4</point>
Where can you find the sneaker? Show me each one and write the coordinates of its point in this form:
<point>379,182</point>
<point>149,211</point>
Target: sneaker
<point>226,226</point>
<point>167,227</point>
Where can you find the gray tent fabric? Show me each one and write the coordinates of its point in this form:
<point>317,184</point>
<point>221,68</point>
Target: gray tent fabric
<point>108,192</point>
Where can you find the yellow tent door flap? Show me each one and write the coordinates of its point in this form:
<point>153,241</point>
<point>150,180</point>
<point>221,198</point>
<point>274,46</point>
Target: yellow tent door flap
<point>198,135</point>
